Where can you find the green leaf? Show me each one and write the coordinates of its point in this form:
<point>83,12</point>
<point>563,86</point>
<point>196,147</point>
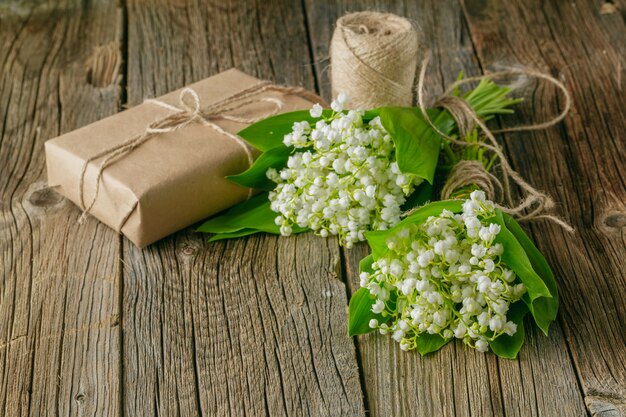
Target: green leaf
<point>515,257</point>
<point>417,144</point>
<point>432,209</point>
<point>246,218</point>
<point>538,296</point>
<point>507,346</point>
<point>269,133</point>
<point>377,239</point>
<point>233,235</point>
<point>365,265</point>
<point>360,312</point>
<point>545,308</point>
<point>248,232</point>
<point>252,214</point>
<point>427,343</point>
<point>255,176</point>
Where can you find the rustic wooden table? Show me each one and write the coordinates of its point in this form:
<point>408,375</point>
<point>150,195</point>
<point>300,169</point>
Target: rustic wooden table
<point>90,325</point>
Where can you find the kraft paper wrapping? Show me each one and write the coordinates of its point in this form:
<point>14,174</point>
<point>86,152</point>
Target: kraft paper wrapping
<point>172,180</point>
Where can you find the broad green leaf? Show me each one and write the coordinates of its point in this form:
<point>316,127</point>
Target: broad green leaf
<point>252,214</point>
<point>360,312</point>
<point>432,209</point>
<point>417,144</point>
<point>247,232</point>
<point>515,257</point>
<point>269,133</point>
<point>246,218</point>
<point>255,176</point>
<point>377,239</point>
<point>545,309</point>
<point>365,265</point>
<point>233,235</point>
<point>427,343</point>
<point>507,346</point>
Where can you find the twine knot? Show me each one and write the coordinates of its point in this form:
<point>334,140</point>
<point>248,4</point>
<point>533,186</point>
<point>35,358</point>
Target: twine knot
<point>460,111</point>
<point>468,173</point>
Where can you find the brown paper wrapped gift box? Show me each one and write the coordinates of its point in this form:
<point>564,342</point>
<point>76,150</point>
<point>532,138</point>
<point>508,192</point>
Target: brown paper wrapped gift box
<point>173,179</point>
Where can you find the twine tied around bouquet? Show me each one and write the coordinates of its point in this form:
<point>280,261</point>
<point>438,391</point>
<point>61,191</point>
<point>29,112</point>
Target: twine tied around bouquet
<point>190,111</point>
<point>534,203</point>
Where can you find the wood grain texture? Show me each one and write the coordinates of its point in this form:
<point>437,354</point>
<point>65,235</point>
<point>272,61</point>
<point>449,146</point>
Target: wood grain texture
<point>257,326</point>
<point>59,332</point>
<point>582,164</point>
<point>454,381</point>
<point>250,327</point>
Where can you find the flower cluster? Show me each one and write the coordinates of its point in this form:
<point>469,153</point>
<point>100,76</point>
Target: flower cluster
<point>445,277</point>
<point>343,180</point>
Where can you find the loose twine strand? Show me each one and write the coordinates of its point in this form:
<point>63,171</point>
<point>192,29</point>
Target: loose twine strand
<point>534,203</point>
<point>190,111</point>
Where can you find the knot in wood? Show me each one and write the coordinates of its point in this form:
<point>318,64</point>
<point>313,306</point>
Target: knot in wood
<point>615,220</point>
<point>45,197</point>
<point>188,250</point>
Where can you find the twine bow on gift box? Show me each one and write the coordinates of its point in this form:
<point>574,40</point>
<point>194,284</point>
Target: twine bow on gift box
<point>190,111</point>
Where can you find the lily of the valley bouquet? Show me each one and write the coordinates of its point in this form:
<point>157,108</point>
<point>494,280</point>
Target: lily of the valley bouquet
<point>459,268</point>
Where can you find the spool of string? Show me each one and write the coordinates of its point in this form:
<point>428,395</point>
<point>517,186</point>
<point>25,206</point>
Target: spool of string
<point>373,59</point>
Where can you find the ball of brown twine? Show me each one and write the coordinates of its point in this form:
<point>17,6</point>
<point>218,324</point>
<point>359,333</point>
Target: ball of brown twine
<point>373,59</point>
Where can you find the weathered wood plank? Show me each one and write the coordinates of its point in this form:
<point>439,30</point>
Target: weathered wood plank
<point>257,326</point>
<point>249,327</point>
<point>59,333</point>
<point>455,381</point>
<point>582,164</point>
